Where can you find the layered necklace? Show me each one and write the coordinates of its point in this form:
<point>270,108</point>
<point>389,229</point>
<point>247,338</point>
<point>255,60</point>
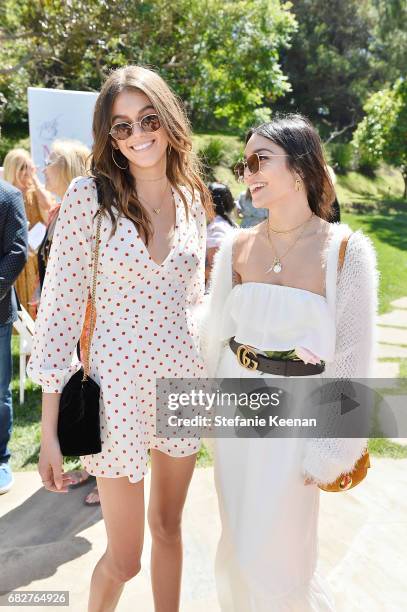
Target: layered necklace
<point>277,265</point>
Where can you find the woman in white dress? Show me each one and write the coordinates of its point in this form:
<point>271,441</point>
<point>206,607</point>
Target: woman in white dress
<point>150,281</point>
<point>221,225</point>
<point>275,289</point>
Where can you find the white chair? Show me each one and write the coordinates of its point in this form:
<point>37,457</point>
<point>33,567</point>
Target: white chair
<point>25,328</point>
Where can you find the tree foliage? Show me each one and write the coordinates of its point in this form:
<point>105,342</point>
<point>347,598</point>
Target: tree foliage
<point>382,134</point>
<point>221,56</point>
<point>343,51</point>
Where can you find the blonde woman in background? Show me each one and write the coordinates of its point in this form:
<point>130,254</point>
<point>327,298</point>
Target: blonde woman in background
<point>20,171</point>
<point>67,160</point>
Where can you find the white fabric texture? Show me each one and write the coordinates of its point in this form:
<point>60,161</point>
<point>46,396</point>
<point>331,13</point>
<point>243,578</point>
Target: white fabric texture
<point>267,554</point>
<point>300,318</point>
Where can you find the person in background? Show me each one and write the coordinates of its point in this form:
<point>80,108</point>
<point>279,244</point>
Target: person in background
<point>67,160</point>
<point>13,256</point>
<point>336,213</point>
<point>221,225</point>
<point>20,171</point>
<point>250,215</point>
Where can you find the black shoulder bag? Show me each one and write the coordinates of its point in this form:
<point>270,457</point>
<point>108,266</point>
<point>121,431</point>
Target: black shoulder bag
<point>78,416</point>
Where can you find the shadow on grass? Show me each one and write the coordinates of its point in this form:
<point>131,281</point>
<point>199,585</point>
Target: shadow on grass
<point>366,203</point>
<point>386,223</point>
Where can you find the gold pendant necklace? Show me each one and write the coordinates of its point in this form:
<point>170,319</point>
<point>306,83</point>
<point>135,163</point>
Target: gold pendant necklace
<point>156,210</point>
<point>277,265</point>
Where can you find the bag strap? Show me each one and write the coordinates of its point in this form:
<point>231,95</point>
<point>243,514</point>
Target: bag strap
<point>342,251</point>
<point>93,294</point>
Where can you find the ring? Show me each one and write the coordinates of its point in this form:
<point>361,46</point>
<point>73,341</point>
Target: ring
<point>45,480</point>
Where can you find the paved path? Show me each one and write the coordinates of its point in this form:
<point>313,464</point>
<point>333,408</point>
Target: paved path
<point>392,328</point>
<point>393,334</point>
<point>53,542</point>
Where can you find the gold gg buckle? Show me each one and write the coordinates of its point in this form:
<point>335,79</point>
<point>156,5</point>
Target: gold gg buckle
<point>243,356</point>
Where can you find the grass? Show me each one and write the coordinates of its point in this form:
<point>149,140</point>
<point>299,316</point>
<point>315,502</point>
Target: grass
<point>389,235</point>
<point>381,447</point>
<point>371,194</point>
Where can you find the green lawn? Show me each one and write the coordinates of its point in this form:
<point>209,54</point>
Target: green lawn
<point>378,193</point>
<point>389,235</point>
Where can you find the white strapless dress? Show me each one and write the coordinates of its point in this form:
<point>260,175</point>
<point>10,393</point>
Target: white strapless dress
<point>267,554</point>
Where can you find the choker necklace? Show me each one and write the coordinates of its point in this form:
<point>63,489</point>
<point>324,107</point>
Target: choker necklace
<point>277,265</point>
<point>289,230</point>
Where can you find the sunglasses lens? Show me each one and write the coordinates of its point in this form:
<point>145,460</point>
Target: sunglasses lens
<point>151,123</point>
<point>253,163</point>
<point>121,131</point>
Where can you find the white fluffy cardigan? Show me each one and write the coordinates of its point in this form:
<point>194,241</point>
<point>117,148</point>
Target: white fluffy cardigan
<point>352,297</point>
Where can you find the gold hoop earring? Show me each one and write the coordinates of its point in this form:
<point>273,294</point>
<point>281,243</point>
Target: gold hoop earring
<point>297,184</point>
<point>169,149</point>
<point>121,167</point>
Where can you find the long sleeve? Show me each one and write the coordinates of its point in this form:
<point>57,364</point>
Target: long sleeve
<point>65,291</point>
<point>15,241</point>
<point>220,285</point>
<point>196,295</point>
<point>356,310</point>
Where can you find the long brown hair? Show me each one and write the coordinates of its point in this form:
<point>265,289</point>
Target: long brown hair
<point>300,140</point>
<point>118,187</point>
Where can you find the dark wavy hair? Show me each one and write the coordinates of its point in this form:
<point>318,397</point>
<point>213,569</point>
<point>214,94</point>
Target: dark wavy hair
<point>300,140</point>
<point>223,200</point>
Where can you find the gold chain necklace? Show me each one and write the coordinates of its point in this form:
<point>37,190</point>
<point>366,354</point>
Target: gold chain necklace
<point>290,230</point>
<point>156,210</point>
<point>277,265</point>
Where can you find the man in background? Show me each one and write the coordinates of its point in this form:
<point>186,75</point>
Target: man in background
<point>13,256</point>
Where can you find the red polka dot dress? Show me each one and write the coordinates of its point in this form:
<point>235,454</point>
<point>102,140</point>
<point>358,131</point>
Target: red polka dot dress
<point>146,325</point>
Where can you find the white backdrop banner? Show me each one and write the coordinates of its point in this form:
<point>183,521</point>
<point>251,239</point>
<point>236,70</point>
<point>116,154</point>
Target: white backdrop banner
<point>58,114</point>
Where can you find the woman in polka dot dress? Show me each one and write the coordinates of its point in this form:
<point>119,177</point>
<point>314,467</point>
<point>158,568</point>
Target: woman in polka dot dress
<point>150,285</point>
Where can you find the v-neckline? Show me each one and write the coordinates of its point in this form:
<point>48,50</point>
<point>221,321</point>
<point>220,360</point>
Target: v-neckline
<point>176,230</point>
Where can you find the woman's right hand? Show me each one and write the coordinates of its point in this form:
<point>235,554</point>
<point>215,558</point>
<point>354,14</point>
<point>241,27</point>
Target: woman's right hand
<point>50,466</point>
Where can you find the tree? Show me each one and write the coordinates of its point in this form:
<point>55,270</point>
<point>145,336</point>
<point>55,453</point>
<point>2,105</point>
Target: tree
<point>388,46</point>
<point>382,133</point>
<point>328,63</point>
<point>221,56</point>
<point>341,53</point>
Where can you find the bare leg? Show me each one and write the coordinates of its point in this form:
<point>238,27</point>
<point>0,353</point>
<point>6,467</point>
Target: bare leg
<point>122,505</point>
<point>170,478</point>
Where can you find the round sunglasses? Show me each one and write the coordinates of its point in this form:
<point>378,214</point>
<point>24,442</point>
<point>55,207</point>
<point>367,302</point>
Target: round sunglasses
<point>123,130</point>
<point>253,163</point>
